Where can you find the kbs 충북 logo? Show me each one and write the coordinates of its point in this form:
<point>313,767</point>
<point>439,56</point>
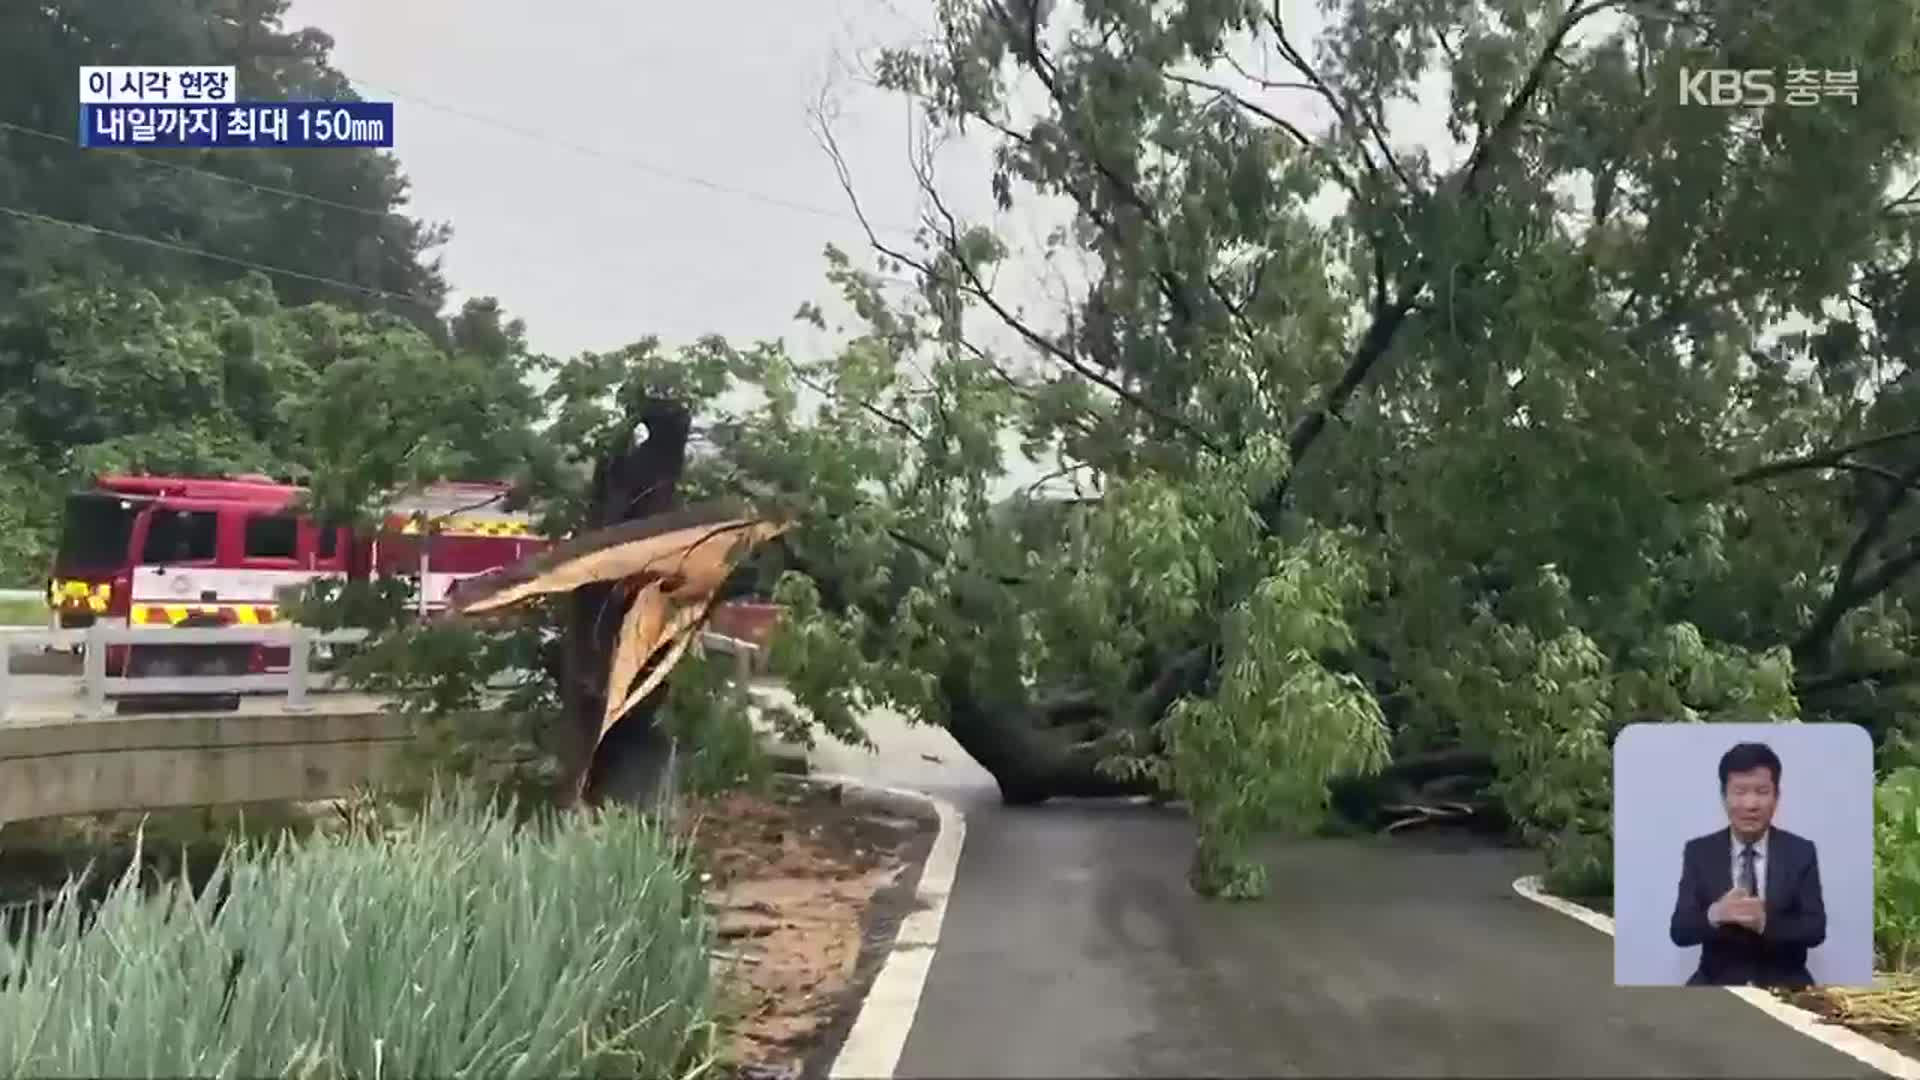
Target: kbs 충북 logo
<point>1746,88</point>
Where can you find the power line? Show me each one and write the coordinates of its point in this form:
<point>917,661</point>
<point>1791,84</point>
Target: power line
<point>270,189</point>
<point>185,249</point>
<point>636,164</point>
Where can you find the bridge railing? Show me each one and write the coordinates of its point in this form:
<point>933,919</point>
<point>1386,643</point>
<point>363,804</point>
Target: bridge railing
<point>296,683</point>
<point>96,686</point>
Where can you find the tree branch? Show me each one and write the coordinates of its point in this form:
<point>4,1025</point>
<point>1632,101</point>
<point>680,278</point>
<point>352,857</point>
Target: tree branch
<point>1367,353</point>
<point>1484,150</point>
<point>1849,593</point>
<point>1363,125</point>
<point>1175,680</point>
<point>1883,675</point>
<point>971,283</point>
<point>868,407</point>
<point>915,544</point>
<point>979,289</point>
<point>1341,176</point>
<point>1263,82</point>
<point>1228,94</point>
<point>1837,458</point>
<point>921,547</point>
<point>1387,320</point>
<point>1171,287</point>
<point>1060,473</point>
<point>1867,468</point>
<point>1906,198</point>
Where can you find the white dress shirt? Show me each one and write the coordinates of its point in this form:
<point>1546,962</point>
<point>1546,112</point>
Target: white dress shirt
<point>1759,862</point>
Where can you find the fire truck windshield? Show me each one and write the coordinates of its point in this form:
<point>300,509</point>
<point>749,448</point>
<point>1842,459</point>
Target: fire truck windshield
<point>97,531</point>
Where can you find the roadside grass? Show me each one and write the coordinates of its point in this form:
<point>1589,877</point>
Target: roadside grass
<point>23,612</point>
<point>1892,1006</point>
<point>458,939</point>
<point>1896,871</point>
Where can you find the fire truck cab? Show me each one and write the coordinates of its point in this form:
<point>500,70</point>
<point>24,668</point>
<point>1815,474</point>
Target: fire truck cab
<point>159,551</point>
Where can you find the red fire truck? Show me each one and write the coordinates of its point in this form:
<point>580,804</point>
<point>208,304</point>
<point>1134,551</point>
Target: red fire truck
<point>198,551</point>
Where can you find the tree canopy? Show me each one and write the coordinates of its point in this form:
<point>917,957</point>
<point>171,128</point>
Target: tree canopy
<point>211,312</point>
<point>1602,417</point>
<point>1602,413</point>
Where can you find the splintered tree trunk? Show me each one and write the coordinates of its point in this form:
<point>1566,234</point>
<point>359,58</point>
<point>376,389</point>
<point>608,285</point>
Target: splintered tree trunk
<point>635,762</point>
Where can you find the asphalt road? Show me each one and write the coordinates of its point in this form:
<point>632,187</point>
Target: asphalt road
<point>1072,947</point>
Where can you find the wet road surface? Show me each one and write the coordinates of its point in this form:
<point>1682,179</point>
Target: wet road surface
<point>1072,947</point>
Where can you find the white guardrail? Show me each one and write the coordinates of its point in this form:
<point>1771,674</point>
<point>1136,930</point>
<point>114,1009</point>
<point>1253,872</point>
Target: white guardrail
<point>296,683</point>
<point>96,686</point>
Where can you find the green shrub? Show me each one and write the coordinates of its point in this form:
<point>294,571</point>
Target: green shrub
<point>457,944</point>
<point>1580,864</point>
<point>706,711</point>
<point>1896,872</point>
<point>32,613</point>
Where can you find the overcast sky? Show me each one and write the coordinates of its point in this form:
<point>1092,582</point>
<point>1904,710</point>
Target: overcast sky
<point>618,168</point>
<point>698,200</point>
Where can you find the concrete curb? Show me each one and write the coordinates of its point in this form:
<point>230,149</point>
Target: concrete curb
<point>1814,1026</point>
<point>879,1034</point>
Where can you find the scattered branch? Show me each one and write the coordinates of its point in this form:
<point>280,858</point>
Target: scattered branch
<point>1867,468</point>
<point>934,554</point>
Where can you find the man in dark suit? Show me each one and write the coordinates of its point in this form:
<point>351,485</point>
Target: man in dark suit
<point>1750,893</point>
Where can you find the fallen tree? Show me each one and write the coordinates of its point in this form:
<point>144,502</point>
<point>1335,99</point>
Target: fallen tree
<point>1504,452</point>
<point>1467,464</point>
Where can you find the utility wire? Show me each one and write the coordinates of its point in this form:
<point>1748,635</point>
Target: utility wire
<point>288,193</point>
<point>647,167</point>
<point>185,249</point>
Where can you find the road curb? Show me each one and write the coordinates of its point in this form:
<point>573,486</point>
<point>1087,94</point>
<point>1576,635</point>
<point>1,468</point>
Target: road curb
<point>879,1034</point>
<point>1814,1026</point>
